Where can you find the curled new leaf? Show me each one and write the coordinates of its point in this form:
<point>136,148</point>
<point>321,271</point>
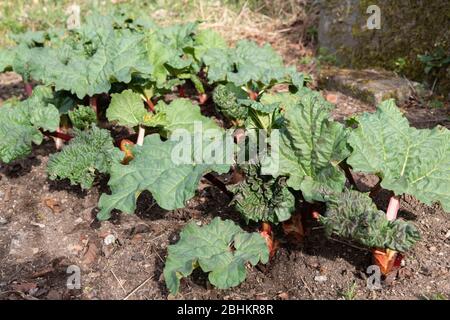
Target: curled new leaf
<point>353,215</point>
<point>221,249</point>
<point>82,117</point>
<point>408,160</point>
<point>262,198</point>
<point>226,98</point>
<point>91,151</point>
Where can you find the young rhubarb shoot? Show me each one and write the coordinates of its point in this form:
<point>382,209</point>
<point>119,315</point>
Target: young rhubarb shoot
<point>28,89</point>
<point>141,135</point>
<point>393,207</point>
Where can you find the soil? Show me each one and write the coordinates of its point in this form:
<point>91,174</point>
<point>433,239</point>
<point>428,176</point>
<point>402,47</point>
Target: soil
<point>47,226</point>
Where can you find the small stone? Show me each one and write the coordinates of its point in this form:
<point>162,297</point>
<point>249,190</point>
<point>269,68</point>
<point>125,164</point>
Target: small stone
<point>283,296</point>
<point>109,239</point>
<point>320,278</point>
<point>3,221</point>
<point>447,235</point>
<point>432,249</point>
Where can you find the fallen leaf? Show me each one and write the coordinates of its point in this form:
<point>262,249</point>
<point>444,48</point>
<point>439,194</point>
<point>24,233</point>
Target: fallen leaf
<point>53,205</point>
<point>24,287</point>
<point>90,255</point>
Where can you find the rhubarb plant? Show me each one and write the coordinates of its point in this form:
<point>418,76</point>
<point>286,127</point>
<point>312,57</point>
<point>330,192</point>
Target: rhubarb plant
<point>171,184</point>
<point>311,148</point>
<point>407,160</point>
<point>352,214</point>
<point>221,248</point>
<point>91,152</point>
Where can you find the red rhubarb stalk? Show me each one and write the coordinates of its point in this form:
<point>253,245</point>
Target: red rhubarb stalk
<point>181,92</point>
<point>151,106</point>
<point>60,135</point>
<point>202,98</point>
<point>388,259</point>
<point>28,89</point>
<point>252,95</point>
<point>93,103</point>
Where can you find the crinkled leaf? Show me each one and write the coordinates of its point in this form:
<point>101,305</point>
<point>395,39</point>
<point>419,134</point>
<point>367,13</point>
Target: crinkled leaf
<point>20,124</point>
<point>408,160</point>
<point>353,215</point>
<point>90,152</point>
<point>154,169</point>
<point>227,100</point>
<point>262,198</point>
<point>220,248</point>
<point>249,63</point>
<point>83,117</point>
<point>311,148</point>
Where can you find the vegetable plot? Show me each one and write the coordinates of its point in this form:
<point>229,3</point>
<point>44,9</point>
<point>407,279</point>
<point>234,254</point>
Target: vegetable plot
<point>155,82</point>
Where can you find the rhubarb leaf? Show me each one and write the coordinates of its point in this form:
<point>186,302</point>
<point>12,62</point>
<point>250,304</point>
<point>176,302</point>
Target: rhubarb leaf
<point>221,249</point>
<point>90,152</point>
<point>20,124</point>
<point>6,59</point>
<point>205,40</point>
<point>154,168</point>
<point>183,114</point>
<point>262,198</point>
<point>353,215</point>
<point>127,108</point>
<point>310,149</point>
<point>408,160</point>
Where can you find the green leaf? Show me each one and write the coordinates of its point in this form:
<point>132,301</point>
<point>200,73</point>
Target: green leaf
<point>127,108</point>
<point>221,249</point>
<point>82,117</point>
<point>155,169</point>
<point>262,198</point>
<point>90,152</point>
<point>20,124</point>
<point>311,148</point>
<point>207,39</point>
<point>408,160</point>
<point>6,59</point>
<point>226,98</point>
<point>353,215</point>
<point>183,114</point>
<point>249,65</point>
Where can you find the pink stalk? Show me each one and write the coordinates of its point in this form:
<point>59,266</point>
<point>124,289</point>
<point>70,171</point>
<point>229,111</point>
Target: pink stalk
<point>93,104</point>
<point>28,89</point>
<point>141,135</point>
<point>393,207</point>
<point>150,104</point>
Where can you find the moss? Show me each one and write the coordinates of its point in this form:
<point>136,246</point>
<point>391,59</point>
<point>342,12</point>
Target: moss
<point>408,28</point>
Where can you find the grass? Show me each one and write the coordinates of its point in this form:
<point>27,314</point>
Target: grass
<point>243,16</point>
<point>350,292</point>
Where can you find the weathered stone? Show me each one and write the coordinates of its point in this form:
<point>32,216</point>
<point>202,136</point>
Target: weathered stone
<point>370,86</point>
<point>407,29</point>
